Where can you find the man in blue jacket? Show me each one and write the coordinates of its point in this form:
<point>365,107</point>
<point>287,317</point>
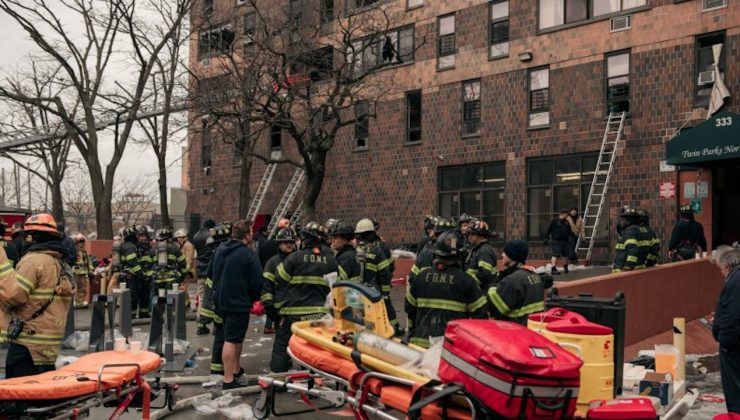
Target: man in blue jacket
<point>237,281</point>
<point>726,328</point>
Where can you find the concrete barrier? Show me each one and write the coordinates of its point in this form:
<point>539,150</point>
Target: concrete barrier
<point>655,296</point>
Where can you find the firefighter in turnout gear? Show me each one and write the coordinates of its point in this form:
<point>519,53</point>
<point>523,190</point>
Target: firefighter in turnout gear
<point>481,261</point>
<point>654,252</point>
<point>219,235</point>
<point>188,252</point>
<point>170,264</point>
<point>687,237</point>
<point>634,243</point>
<point>202,258</point>
<point>9,244</point>
<point>442,293</point>
<point>341,243</point>
<point>390,262</point>
<point>273,287</point>
<point>126,267</point>
<point>83,270</point>
<point>374,265</point>
<point>307,274</point>
<point>429,222</point>
<point>35,299</point>
<point>425,257</point>
<point>146,261</point>
<point>519,291</point>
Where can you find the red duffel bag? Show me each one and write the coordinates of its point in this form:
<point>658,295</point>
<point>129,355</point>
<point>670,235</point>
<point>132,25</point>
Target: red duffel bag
<point>511,370</point>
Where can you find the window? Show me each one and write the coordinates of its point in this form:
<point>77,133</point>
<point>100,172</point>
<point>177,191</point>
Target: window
<point>207,8</point>
<point>215,41</point>
<point>241,2</point>
<point>471,108</point>
<point>276,138</point>
<point>317,64</point>
<point>413,117</point>
<point>713,4</point>
<point>618,82</point>
<point>539,97</point>
<point>412,4</point>
<point>381,50</point>
<point>477,190</point>
<point>499,32</point>
<point>327,10</point>
<point>249,28</point>
<point>705,65</point>
<point>561,12</point>
<point>555,183</point>
<point>446,43</point>
<point>361,126</point>
<point>206,144</point>
<point>359,4</point>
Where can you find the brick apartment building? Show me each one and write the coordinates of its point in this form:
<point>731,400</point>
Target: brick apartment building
<point>503,113</point>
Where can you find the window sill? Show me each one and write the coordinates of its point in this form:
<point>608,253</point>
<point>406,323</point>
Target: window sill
<point>361,149</point>
<point>592,20</point>
<point>445,69</point>
<point>363,9</point>
<point>498,57</point>
<point>471,136</point>
<point>411,9</point>
<point>539,127</point>
<point>412,143</point>
<point>394,66</point>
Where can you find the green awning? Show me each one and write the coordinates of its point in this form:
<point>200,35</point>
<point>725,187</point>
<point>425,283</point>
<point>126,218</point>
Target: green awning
<point>717,138</point>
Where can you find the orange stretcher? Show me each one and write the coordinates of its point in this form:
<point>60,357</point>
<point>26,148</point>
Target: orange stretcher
<point>106,378</point>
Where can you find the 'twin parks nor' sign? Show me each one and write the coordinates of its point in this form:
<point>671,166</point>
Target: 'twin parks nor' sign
<point>714,139</point>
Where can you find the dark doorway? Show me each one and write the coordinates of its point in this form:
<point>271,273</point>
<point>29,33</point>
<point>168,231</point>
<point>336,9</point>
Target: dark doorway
<point>726,203</point>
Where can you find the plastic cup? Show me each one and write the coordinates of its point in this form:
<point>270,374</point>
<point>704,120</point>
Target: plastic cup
<point>119,344</point>
<point>161,292</point>
<point>666,359</point>
<point>122,285</point>
<point>175,287</point>
<point>135,347</point>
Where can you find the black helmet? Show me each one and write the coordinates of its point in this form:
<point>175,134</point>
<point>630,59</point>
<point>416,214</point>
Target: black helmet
<point>142,230</point>
<point>429,221</point>
<point>443,225</point>
<point>128,231</point>
<point>464,218</point>
<point>644,216</point>
<point>449,244</point>
<point>313,231</point>
<point>164,234</point>
<point>480,228</point>
<point>630,213</point>
<point>221,232</point>
<point>343,229</point>
<point>285,235</point>
<point>330,224</point>
<point>686,209</point>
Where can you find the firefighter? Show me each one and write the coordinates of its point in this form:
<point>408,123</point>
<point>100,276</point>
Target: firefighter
<point>390,261</point>
<point>203,257</point>
<point>170,263</point>
<point>307,273</point>
<point>425,257</point>
<point>687,237</point>
<point>481,261</point>
<point>330,225</point>
<point>373,263</point>
<point>463,224</point>
<point>341,243</point>
<point>273,288</point>
<point>219,235</point>
<point>126,267</point>
<point>8,244</point>
<point>634,243</point>
<point>147,261</point>
<point>654,251</point>
<point>36,300</point>
<point>442,293</point>
<point>18,239</point>
<point>519,291</point>
<point>429,222</point>
<point>188,252</point>
<point>82,269</point>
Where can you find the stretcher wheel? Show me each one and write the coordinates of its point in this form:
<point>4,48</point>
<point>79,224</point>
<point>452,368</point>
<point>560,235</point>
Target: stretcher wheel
<point>260,406</point>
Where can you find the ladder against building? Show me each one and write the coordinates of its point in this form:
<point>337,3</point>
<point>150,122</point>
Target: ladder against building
<point>259,196</point>
<point>286,200</point>
<point>596,201</point>
<point>297,214</point>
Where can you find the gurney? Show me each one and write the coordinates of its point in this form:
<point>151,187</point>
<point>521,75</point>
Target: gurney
<point>109,378</point>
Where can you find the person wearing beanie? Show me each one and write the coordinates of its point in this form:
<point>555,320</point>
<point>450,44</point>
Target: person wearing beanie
<point>519,291</point>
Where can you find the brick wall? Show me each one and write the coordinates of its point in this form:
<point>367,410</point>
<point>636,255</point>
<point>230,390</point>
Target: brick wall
<point>397,183</point>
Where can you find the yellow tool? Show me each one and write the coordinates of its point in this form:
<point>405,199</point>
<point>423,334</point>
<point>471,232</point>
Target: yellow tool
<point>359,308</point>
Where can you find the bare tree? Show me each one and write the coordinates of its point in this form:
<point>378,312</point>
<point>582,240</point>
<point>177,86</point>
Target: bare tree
<point>290,73</point>
<point>133,199</point>
<point>86,64</point>
<point>78,203</point>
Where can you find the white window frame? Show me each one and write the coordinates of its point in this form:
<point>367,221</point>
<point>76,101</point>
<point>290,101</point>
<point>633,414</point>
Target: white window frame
<point>499,49</point>
<point>540,118</point>
<point>446,61</point>
<point>704,7</point>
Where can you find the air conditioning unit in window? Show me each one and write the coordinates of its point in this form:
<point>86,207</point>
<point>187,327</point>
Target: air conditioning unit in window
<point>205,62</point>
<point>713,4</point>
<point>620,23</point>
<point>248,39</point>
<point>241,2</point>
<point>706,78</point>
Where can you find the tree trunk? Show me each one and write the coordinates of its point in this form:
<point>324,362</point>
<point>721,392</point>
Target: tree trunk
<point>245,195</point>
<point>314,182</point>
<point>57,203</point>
<point>102,195</point>
<point>163,207</point>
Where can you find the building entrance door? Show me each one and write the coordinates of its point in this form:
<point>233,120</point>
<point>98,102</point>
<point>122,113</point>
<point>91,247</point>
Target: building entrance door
<point>726,203</point>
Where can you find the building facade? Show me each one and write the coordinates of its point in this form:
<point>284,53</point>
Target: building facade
<point>502,114</point>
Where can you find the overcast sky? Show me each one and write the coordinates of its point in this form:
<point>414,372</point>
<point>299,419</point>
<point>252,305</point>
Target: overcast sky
<point>137,160</point>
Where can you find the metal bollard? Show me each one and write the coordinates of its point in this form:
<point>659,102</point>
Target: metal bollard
<point>102,305</point>
<point>122,300</point>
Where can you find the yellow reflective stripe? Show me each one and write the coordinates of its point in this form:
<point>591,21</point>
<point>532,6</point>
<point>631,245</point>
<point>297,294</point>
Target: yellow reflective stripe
<point>415,269</point>
<point>418,341</point>
<point>209,282</point>
<point>282,273</point>
<point>640,266</point>
<point>5,268</point>
<point>302,310</point>
<point>652,257</point>
<point>445,304</point>
<point>23,283</point>
<point>269,276</point>
<point>645,243</point>
<point>385,264</point>
<point>632,258</point>
<point>217,367</point>
<point>527,309</point>
<point>371,267</point>
<point>479,303</point>
<point>385,287</point>
<point>410,298</point>
<point>135,268</point>
<point>128,257</point>
<point>206,312</point>
<point>318,280</point>
<point>165,280</point>
<point>472,273</point>
<point>497,301</point>
<point>620,246</point>
<point>266,296</point>
<point>486,266</point>
<point>631,242</point>
<point>343,273</point>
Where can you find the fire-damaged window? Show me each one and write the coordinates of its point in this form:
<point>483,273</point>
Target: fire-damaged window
<point>477,190</point>
<point>352,5</point>
<point>215,41</point>
<point>362,129</point>
<point>381,50</point>
<point>327,10</point>
<point>618,82</point>
<point>471,107</point>
<point>276,138</point>
<point>705,65</point>
<point>539,97</point>
<point>413,117</point>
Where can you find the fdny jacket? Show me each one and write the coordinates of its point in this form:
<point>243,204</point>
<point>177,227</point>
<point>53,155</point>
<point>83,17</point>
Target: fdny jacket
<point>130,263</point>
<point>349,268</point>
<point>147,260</point>
<point>202,251</point>
<point>481,264</point>
<point>518,293</point>
<point>687,234</point>
<point>175,269</point>
<point>654,250</point>
<point>304,272</point>
<point>11,251</point>
<point>438,295</point>
<point>83,263</point>
<point>424,259</point>
<point>273,287</point>
<point>375,271</point>
<point>37,276</point>
<point>632,249</point>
